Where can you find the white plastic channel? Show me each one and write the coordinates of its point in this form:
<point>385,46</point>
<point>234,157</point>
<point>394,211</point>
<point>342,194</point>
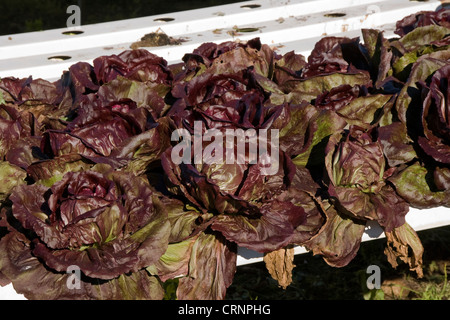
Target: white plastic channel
<point>287,25</point>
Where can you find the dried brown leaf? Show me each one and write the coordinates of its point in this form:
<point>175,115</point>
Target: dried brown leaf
<point>280,264</point>
<point>403,243</point>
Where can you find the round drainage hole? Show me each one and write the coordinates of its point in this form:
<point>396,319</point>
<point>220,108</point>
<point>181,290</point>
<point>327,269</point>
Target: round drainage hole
<point>59,58</point>
<point>72,32</point>
<point>247,29</point>
<point>251,6</point>
<point>334,15</point>
<point>164,19</point>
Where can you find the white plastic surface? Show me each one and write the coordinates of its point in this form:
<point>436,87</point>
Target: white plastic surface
<point>288,25</point>
<point>284,24</point>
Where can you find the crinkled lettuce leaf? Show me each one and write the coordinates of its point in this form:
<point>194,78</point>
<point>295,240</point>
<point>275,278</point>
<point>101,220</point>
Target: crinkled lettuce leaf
<point>357,171</point>
<point>10,177</point>
<point>339,239</point>
<point>212,265</point>
<point>416,185</point>
<point>108,224</point>
<point>33,279</point>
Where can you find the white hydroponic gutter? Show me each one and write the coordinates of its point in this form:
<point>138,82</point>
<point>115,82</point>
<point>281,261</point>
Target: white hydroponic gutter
<point>285,25</point>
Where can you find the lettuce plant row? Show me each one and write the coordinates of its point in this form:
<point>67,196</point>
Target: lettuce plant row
<point>89,179</point>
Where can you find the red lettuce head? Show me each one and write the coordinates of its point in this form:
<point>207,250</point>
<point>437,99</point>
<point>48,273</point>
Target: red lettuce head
<point>239,191</point>
<point>20,136</point>
<point>98,129</point>
<point>421,19</point>
<point>436,117</point>
<point>357,170</point>
<point>139,65</point>
<point>109,225</point>
<point>335,54</point>
<point>14,125</point>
